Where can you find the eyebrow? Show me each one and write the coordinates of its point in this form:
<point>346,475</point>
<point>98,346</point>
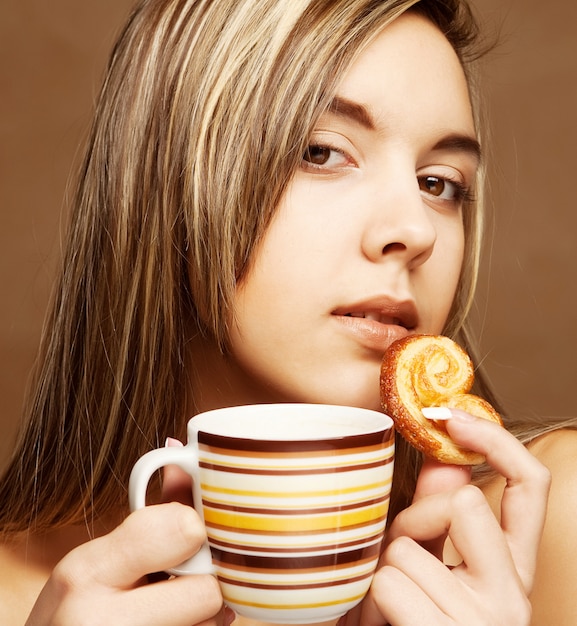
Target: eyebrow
<point>461,143</point>
<point>359,114</point>
<point>351,111</point>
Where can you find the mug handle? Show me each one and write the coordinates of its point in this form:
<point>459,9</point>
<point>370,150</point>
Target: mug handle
<point>187,459</point>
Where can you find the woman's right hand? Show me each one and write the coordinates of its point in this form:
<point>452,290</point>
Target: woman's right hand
<point>499,553</point>
<point>104,581</point>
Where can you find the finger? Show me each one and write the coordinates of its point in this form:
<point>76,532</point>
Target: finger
<point>467,518</point>
<point>438,587</point>
<point>352,618</point>
<point>181,601</point>
<point>176,483</point>
<point>149,540</point>
<point>436,477</point>
<point>524,502</point>
<point>396,599</point>
<point>488,574</point>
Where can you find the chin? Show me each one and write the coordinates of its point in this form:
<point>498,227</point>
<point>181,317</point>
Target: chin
<point>366,395</point>
<point>374,405</point>
<point>345,389</point>
<point>362,391</point>
<point>362,399</point>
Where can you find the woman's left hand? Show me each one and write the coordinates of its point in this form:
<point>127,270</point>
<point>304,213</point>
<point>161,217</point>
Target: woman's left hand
<point>494,579</point>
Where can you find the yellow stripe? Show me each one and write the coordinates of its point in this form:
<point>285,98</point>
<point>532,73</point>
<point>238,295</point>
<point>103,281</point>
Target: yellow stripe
<point>284,607</point>
<point>293,524</point>
<point>292,494</point>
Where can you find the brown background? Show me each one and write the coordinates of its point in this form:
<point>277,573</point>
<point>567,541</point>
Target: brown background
<point>51,60</point>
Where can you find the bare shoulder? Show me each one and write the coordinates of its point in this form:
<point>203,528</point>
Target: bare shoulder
<point>554,599</point>
<point>547,447</point>
<point>558,452</point>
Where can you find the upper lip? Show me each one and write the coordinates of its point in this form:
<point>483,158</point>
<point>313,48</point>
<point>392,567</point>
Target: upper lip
<point>383,309</point>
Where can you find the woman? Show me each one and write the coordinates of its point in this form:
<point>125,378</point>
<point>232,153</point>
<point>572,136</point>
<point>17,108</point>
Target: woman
<point>272,192</point>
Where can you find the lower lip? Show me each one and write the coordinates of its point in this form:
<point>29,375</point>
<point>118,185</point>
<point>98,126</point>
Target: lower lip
<point>370,334</point>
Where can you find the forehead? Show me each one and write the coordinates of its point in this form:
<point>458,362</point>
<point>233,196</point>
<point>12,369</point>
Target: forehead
<point>410,70</point>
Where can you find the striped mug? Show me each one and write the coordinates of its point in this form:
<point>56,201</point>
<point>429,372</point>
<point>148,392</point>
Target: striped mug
<point>294,498</point>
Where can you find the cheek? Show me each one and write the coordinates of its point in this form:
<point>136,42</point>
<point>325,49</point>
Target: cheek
<point>454,266</point>
<point>450,247</point>
<point>444,272</point>
<point>457,253</point>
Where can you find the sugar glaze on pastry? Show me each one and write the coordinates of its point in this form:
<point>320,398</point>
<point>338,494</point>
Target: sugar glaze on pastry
<point>431,371</point>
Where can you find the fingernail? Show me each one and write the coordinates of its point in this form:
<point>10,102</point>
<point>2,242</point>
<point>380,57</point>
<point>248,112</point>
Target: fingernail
<point>229,616</point>
<point>444,413</point>
<point>462,416</point>
<point>173,443</point>
<point>437,412</point>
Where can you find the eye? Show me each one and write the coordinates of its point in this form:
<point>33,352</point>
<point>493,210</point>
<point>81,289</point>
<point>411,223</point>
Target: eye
<point>317,155</point>
<point>443,188</point>
<point>324,157</point>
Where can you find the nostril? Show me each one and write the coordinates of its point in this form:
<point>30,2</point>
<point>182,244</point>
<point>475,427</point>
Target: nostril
<point>394,247</point>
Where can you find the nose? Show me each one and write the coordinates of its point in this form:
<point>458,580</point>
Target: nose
<point>400,224</point>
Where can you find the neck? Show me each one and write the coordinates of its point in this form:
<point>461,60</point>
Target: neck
<point>219,381</point>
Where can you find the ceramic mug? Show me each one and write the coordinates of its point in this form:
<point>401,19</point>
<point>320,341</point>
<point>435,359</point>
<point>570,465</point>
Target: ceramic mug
<point>294,498</point>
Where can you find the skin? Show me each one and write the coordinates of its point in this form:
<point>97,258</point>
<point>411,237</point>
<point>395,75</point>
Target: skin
<point>375,228</point>
<point>358,231</point>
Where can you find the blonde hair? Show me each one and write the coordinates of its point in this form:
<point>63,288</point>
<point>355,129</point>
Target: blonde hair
<point>204,115</point>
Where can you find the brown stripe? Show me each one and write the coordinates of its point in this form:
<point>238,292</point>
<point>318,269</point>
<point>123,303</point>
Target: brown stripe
<point>293,587</point>
<point>288,564</point>
<point>318,510</point>
<point>291,455</point>
<point>297,446</point>
<point>296,472</point>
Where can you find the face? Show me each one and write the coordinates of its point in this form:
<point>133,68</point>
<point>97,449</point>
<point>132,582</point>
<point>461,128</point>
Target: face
<point>367,243</point>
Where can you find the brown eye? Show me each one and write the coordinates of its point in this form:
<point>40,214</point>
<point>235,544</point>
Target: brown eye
<point>317,155</point>
<point>432,185</point>
<point>443,189</point>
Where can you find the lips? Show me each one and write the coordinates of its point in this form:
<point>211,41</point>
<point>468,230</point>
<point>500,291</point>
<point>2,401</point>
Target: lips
<point>383,310</point>
<point>376,317</point>
<point>375,323</point>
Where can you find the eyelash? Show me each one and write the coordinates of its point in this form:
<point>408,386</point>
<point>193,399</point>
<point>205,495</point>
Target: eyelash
<point>322,146</point>
<point>463,192</point>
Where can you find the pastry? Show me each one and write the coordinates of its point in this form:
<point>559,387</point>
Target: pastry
<point>431,371</point>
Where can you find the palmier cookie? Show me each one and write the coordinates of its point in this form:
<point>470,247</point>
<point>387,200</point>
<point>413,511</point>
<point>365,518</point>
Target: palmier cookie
<point>431,371</point>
